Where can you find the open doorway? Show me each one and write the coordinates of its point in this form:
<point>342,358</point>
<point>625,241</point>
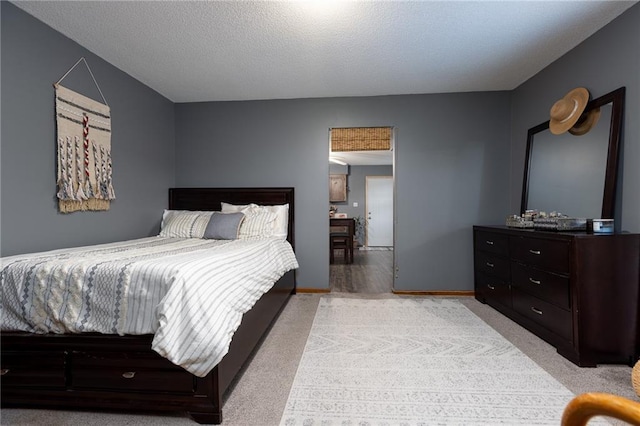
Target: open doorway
<point>362,190</point>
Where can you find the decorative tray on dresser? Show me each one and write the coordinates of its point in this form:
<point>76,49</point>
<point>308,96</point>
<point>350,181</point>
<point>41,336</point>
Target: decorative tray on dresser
<point>578,291</point>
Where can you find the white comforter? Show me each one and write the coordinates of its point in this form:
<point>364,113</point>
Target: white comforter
<point>190,293</point>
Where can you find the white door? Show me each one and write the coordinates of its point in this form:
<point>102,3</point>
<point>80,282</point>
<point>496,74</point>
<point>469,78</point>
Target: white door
<point>379,205</point>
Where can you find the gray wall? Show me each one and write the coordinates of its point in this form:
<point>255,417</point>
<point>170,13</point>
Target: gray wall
<point>452,152</point>
<point>338,169</point>
<point>459,157</point>
<point>604,62</point>
<point>34,56</point>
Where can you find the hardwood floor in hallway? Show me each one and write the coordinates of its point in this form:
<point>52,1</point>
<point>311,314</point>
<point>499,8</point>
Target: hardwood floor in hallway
<point>370,272</point>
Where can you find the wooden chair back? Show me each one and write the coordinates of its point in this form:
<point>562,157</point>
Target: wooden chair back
<point>587,405</point>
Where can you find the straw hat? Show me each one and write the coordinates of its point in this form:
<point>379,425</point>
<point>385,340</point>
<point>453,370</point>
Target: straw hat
<point>586,122</point>
<point>566,112</point>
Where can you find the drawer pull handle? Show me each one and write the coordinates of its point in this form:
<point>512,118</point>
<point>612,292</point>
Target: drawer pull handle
<point>535,281</point>
<point>536,252</point>
<point>489,242</point>
<point>489,264</point>
<point>4,371</point>
<point>537,311</point>
<point>491,287</point>
<point>129,374</point>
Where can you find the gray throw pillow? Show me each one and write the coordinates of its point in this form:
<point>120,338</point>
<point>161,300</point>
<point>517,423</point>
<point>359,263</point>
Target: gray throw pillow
<point>223,226</point>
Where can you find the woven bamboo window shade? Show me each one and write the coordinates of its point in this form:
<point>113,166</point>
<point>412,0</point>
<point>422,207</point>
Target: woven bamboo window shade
<point>361,139</point>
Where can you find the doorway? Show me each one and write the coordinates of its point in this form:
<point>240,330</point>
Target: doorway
<point>368,198</point>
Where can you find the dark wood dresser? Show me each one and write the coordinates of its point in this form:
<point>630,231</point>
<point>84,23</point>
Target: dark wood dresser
<point>578,291</point>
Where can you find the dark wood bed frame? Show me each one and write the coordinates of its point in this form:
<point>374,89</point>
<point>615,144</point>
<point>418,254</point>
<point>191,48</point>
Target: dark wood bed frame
<point>96,371</point>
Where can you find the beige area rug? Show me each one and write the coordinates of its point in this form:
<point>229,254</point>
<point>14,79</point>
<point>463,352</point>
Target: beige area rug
<point>427,361</point>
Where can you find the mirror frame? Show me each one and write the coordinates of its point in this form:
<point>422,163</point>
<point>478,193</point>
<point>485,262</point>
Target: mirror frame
<point>616,98</point>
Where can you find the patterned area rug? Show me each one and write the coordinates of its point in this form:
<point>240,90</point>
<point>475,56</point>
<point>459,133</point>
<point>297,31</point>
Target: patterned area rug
<point>427,361</point>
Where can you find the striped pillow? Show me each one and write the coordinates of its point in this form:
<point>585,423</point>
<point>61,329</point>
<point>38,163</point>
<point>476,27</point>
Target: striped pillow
<point>257,225</point>
<point>280,225</point>
<point>184,224</point>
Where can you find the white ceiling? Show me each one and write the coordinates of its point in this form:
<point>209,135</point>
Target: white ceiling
<point>363,158</point>
<point>193,51</point>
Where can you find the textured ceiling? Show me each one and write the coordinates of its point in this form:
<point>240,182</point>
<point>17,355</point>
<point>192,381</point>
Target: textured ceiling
<point>214,50</point>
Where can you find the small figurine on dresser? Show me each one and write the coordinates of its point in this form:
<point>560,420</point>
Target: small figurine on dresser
<point>515,221</point>
<point>523,221</point>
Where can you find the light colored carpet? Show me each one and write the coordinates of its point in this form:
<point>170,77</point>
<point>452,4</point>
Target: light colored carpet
<point>261,391</point>
<point>427,361</point>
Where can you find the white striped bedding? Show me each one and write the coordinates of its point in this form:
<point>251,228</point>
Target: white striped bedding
<point>190,293</point>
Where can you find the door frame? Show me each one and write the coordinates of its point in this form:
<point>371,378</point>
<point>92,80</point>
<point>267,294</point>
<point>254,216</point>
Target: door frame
<point>394,159</point>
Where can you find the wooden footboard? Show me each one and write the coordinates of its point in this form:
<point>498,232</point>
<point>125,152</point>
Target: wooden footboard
<point>96,371</point>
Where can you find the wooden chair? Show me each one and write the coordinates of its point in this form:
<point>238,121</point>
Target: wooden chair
<point>587,405</point>
<point>340,239</point>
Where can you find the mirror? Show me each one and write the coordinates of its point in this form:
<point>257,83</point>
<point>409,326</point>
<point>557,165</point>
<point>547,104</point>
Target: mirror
<point>575,175</point>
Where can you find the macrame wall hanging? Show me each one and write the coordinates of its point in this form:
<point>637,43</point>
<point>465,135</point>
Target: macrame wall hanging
<point>84,150</point>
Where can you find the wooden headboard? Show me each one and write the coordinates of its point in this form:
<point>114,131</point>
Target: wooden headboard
<point>210,199</point>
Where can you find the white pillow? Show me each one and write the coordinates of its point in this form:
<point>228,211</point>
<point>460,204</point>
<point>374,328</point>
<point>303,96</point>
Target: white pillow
<point>184,223</point>
<point>257,225</point>
<point>280,225</point>
<point>244,208</point>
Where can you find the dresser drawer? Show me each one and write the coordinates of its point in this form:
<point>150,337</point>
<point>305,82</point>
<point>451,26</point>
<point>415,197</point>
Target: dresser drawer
<point>492,242</point>
<point>493,289</point>
<point>493,265</point>
<point>128,371</point>
<point>550,287</point>
<point>551,255</point>
<point>547,315</point>
<point>44,369</point>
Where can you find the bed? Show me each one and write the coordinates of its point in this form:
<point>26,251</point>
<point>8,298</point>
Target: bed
<point>113,372</point>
